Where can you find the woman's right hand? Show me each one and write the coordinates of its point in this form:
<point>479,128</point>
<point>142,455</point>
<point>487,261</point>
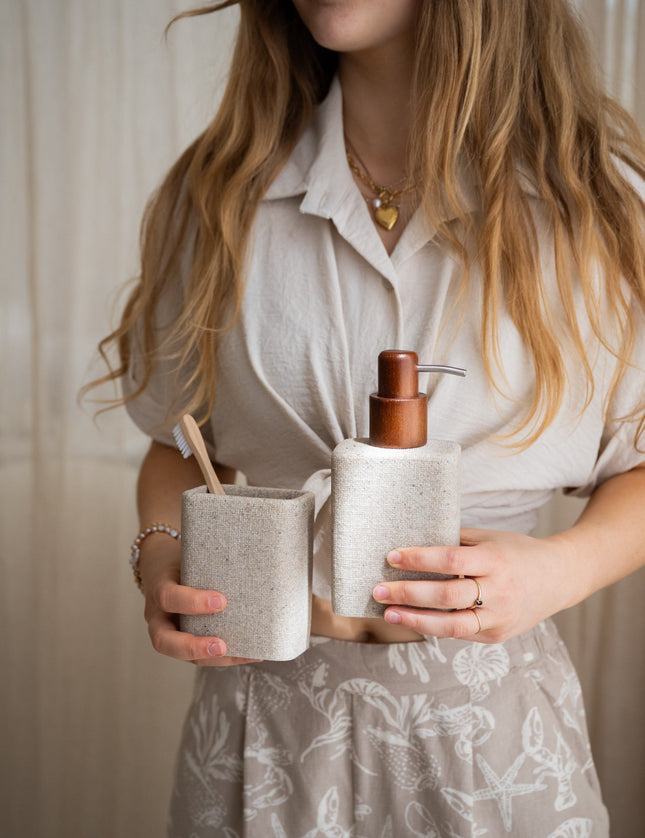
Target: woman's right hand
<point>159,564</point>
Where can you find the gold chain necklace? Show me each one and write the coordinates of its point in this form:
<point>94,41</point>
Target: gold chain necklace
<point>386,214</point>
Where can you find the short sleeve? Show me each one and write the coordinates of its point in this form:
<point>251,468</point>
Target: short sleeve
<point>620,448</point>
<point>155,409</point>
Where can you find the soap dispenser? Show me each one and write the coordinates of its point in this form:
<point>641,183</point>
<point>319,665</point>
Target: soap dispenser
<point>395,489</point>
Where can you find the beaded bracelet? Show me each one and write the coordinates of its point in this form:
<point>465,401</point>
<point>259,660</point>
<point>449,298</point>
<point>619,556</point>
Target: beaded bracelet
<point>135,550</point>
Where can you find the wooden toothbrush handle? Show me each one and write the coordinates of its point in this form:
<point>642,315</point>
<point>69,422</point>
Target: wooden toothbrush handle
<point>210,476</point>
<point>195,440</point>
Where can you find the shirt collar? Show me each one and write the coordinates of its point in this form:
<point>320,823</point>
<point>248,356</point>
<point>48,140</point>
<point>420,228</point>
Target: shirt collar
<point>318,170</point>
<point>318,167</point>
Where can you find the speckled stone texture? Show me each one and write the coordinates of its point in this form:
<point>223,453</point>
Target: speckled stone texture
<point>385,498</point>
<point>254,545</point>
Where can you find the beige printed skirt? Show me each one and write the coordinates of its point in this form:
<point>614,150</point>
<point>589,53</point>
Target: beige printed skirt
<point>436,739</point>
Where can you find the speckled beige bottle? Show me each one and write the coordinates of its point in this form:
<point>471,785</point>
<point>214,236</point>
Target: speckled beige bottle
<point>395,489</point>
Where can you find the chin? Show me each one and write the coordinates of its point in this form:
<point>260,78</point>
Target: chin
<point>332,25</point>
<point>356,25</point>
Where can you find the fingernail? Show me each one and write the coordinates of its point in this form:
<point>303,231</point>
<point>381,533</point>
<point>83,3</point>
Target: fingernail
<point>394,557</point>
<point>393,617</point>
<point>216,649</point>
<point>216,603</point>
<point>381,592</point>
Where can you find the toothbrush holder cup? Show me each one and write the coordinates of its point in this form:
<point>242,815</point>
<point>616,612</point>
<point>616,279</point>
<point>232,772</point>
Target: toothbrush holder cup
<point>255,546</point>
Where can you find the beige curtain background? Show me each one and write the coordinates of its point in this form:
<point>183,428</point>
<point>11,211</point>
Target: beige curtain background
<point>94,106</point>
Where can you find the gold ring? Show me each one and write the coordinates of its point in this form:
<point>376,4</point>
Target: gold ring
<point>478,601</point>
<point>479,622</point>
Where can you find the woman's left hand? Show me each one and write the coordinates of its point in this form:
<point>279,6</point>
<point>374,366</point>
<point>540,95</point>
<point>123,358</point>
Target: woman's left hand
<point>520,581</point>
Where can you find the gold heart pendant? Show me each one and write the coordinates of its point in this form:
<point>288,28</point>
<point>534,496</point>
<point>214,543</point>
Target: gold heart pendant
<point>386,216</point>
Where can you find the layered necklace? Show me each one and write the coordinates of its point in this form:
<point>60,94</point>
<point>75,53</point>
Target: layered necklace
<point>385,213</point>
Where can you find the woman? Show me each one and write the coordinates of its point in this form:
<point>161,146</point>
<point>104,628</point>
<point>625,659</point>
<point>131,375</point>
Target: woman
<point>423,174</point>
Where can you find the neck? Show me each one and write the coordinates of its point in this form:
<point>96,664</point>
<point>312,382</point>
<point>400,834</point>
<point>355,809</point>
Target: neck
<point>376,107</point>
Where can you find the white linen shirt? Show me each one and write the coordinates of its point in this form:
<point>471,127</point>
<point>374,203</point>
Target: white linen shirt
<point>323,298</point>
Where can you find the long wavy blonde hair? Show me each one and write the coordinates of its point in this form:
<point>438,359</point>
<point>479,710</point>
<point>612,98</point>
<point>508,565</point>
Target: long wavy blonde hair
<point>508,87</point>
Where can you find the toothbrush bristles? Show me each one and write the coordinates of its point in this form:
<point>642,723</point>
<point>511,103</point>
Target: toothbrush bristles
<point>182,444</point>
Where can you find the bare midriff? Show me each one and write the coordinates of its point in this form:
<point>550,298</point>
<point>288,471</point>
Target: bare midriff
<point>357,629</point>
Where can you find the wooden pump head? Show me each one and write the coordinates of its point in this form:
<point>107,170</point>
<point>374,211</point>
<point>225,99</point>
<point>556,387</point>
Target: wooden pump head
<point>398,411</point>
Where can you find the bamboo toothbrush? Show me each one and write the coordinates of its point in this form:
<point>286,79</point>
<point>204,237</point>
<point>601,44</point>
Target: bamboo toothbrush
<point>190,441</point>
